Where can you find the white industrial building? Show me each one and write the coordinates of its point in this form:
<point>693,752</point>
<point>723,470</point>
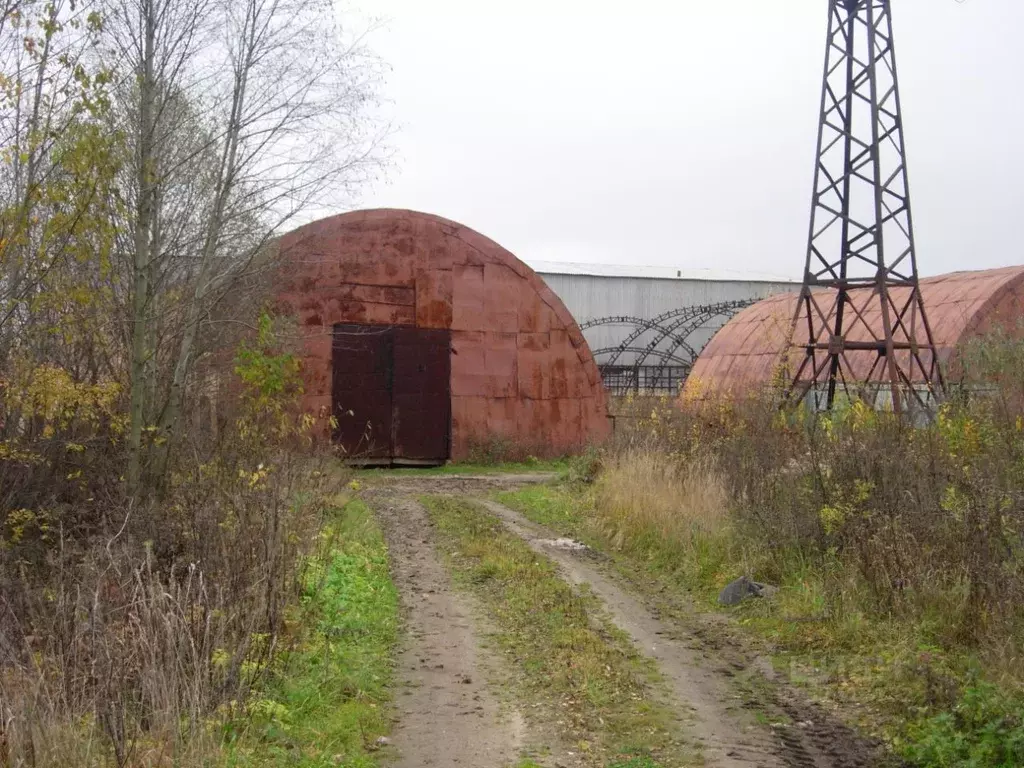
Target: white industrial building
<point>661,328</point>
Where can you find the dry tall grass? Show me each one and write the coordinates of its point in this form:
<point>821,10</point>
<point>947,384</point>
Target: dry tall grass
<point>901,544</point>
<point>643,493</point>
<point>676,512</point>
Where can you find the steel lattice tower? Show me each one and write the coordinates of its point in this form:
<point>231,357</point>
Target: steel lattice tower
<point>860,327</point>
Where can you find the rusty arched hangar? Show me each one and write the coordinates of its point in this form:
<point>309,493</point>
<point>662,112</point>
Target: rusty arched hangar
<point>745,356</point>
<point>424,338</point>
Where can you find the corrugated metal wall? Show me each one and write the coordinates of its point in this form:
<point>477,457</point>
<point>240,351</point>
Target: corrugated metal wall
<point>593,296</point>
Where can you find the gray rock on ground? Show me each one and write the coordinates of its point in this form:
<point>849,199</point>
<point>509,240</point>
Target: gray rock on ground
<point>744,587</point>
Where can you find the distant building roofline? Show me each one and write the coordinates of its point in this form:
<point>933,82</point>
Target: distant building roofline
<point>656,272</point>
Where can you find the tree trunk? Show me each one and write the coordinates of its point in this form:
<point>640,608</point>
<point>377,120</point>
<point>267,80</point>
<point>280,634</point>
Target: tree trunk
<point>141,265</point>
<point>205,281</point>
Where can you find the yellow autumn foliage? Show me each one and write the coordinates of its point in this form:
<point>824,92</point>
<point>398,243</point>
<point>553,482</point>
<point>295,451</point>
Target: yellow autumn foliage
<point>49,394</point>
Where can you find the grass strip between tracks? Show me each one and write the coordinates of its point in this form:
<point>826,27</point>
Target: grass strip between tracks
<point>581,672</point>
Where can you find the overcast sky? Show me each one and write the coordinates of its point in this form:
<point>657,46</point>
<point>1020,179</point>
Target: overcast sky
<point>681,132</point>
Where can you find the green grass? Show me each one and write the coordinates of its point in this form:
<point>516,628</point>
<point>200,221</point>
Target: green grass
<point>888,675</point>
<point>328,701</point>
<point>569,659</point>
<point>554,506</point>
<point>634,762</point>
<point>559,466</point>
<point>986,728</point>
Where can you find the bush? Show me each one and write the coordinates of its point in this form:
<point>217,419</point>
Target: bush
<point>926,520</point>
<point>131,626</point>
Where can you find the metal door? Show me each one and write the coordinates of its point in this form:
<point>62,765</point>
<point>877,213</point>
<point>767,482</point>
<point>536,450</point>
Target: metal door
<point>421,412</point>
<point>362,363</point>
<point>391,393</point>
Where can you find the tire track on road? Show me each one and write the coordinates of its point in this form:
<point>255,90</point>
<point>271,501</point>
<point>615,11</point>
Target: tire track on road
<point>722,722</point>
<point>446,715</point>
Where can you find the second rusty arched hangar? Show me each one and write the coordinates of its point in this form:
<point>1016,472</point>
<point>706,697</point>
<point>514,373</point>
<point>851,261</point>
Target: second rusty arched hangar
<point>745,356</point>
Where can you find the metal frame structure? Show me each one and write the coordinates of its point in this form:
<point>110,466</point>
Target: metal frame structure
<point>861,258</point>
<point>663,363</point>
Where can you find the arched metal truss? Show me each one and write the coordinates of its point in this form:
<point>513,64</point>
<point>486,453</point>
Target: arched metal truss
<point>657,354</point>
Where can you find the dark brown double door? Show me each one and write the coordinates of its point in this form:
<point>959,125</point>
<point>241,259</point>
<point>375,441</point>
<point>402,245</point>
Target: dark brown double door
<point>391,393</point>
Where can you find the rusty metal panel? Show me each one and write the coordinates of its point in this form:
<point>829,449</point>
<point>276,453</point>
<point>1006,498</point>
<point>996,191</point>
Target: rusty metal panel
<point>534,365</point>
<point>373,294</point>
<point>467,297</point>
<point>500,299</point>
<point>434,298</point>
<point>534,315</point>
<point>362,362</point>
<point>421,413</point>
<point>501,360</point>
<point>469,377</point>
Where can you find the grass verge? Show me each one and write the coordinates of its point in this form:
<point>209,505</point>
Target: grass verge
<point>559,466</point>
<point>584,674</point>
<point>327,702</point>
<point>933,705</point>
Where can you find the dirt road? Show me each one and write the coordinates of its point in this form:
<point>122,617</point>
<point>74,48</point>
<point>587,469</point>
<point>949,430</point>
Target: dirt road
<point>449,716</point>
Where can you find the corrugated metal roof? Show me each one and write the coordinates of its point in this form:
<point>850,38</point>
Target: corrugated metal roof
<point>656,272</point>
<point>748,349</point>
